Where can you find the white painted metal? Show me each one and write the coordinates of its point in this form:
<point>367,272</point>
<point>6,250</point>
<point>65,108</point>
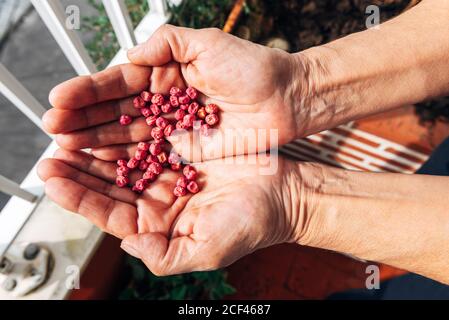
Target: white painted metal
<point>121,22</point>
<point>17,210</point>
<point>13,189</point>
<point>158,7</point>
<point>53,15</point>
<point>15,92</point>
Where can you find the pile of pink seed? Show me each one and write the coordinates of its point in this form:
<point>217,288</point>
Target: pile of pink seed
<point>164,115</point>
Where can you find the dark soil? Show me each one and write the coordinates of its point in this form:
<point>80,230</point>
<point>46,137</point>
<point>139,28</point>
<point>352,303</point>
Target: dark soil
<point>307,23</point>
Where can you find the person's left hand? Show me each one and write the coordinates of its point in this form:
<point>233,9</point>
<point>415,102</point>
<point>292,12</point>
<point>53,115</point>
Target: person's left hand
<point>244,205</point>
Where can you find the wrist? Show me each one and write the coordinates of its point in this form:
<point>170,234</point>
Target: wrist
<point>299,184</point>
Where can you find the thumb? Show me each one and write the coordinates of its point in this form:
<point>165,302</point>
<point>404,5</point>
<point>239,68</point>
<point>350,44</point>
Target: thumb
<point>168,43</point>
<point>163,257</point>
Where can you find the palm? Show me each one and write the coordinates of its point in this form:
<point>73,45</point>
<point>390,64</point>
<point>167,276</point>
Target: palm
<point>208,230</point>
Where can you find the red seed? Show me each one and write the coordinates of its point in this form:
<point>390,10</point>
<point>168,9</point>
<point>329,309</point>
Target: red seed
<point>185,99</point>
<point>143,146</point>
<point>193,108</point>
<point>123,171</point>
<point>212,108</point>
<point>174,102</point>
<point>146,96</point>
<point>125,120</point>
<point>158,99</point>
<point>212,119</point>
<point>155,109</point>
<point>155,149</point>
<point>204,130</point>
<point>180,125</point>
<point>174,158</point>
<point>193,187</point>
<point>141,185</point>
<point>169,130</point>
<point>151,120</point>
<point>155,167</point>
<point>176,166</point>
<point>184,107</point>
<point>162,157</point>
<point>192,93</point>
<point>146,112</point>
<point>201,113</point>
<point>161,122</point>
<point>179,114</point>
<point>189,120</point>
<point>138,102</point>
<point>189,172</point>
<point>182,182</point>
<point>175,91</point>
<point>122,163</point>
<point>136,190</point>
<point>151,158</point>
<point>166,108</point>
<point>157,133</point>
<point>148,175</point>
<point>133,163</point>
<point>179,191</point>
<point>121,181</point>
<point>143,165</point>
<point>140,155</point>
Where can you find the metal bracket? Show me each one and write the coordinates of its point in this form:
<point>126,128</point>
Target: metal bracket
<point>24,268</point>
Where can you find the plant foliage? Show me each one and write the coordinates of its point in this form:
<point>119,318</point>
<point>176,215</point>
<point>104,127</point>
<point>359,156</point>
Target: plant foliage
<point>197,285</point>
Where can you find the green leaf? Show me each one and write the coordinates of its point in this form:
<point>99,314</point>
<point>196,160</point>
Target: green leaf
<point>178,293</point>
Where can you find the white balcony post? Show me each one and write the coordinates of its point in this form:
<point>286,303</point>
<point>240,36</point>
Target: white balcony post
<point>15,92</point>
<point>159,7</point>
<point>121,22</point>
<point>53,15</point>
<point>13,189</point>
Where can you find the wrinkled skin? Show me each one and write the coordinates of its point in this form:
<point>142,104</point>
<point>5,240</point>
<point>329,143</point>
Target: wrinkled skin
<point>237,211</point>
<point>252,85</point>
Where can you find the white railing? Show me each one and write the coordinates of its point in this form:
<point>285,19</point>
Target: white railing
<point>25,196</point>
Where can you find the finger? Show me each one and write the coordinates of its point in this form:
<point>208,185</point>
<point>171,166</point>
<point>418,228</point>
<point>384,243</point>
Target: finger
<point>106,134</point>
<point>51,168</point>
<point>57,121</point>
<point>115,152</point>
<point>113,83</point>
<point>163,257</point>
<point>112,216</point>
<point>93,166</point>
<point>159,195</point>
<point>169,43</point>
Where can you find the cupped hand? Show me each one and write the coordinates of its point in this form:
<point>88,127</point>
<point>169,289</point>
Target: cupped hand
<point>256,88</point>
<point>240,209</point>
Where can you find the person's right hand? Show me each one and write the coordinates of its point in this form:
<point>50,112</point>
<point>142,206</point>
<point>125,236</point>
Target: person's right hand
<point>256,87</point>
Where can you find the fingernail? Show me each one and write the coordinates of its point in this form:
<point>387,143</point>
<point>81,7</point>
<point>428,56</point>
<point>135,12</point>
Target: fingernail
<point>130,249</point>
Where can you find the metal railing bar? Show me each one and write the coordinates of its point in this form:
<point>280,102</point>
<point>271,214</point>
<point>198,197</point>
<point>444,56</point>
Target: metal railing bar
<point>121,22</point>
<point>53,15</point>
<point>22,99</point>
<point>13,189</point>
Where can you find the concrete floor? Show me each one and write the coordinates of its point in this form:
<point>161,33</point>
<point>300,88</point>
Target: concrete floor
<point>32,55</point>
